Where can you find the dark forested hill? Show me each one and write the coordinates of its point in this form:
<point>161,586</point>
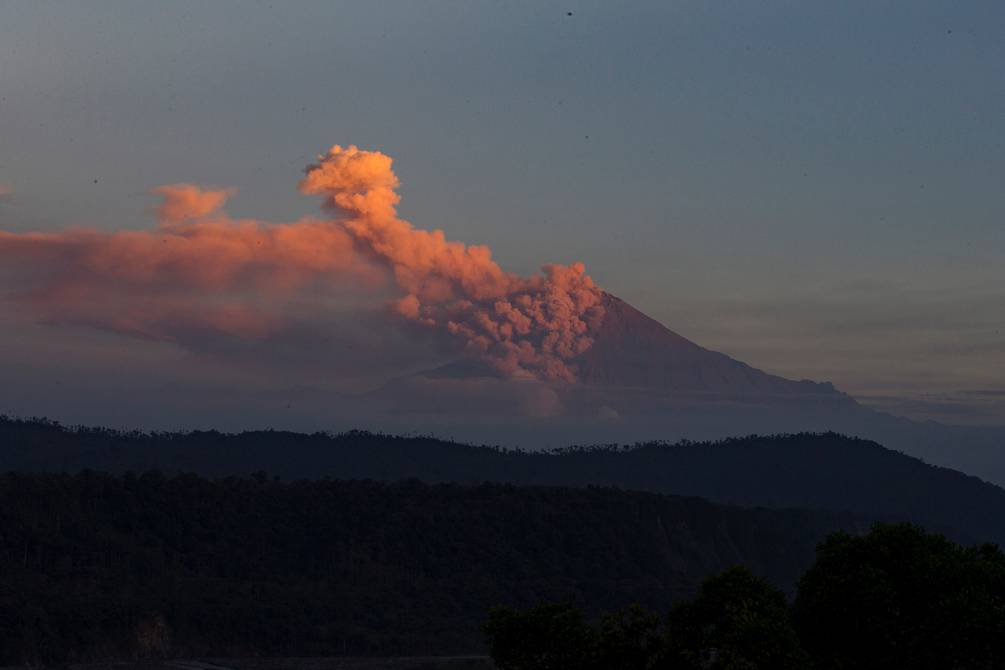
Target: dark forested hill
<point>95,565</point>
<point>826,471</point>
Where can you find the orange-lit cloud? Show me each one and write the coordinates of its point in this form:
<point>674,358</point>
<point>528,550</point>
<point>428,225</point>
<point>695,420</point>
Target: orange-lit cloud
<point>187,201</point>
<point>523,326</point>
<point>197,270</point>
<point>200,270</point>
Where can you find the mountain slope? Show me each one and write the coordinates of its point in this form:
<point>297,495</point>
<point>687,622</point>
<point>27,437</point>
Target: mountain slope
<point>634,350</point>
<point>641,381</point>
<point>253,567</point>
<point>829,472</point>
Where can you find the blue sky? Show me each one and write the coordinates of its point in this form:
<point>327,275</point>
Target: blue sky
<point>812,187</point>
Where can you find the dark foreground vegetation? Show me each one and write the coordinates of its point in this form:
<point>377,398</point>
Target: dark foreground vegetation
<point>827,471</point>
<point>481,662</point>
<point>895,598</point>
<point>97,566</point>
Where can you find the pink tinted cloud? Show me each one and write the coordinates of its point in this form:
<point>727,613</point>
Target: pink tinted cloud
<point>200,271</point>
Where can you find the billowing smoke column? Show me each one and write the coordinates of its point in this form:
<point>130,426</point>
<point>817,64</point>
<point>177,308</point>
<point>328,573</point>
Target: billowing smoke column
<point>201,270</point>
<point>525,327</point>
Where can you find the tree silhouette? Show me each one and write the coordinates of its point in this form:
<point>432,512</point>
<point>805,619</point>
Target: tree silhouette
<point>737,622</point>
<point>901,597</point>
<point>550,636</point>
<point>628,639</point>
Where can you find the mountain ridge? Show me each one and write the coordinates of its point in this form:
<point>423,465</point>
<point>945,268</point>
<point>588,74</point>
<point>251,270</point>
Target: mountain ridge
<point>632,349</point>
<point>641,381</point>
<point>828,471</point>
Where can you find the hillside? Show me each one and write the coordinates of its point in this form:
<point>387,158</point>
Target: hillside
<point>636,351</point>
<point>96,566</point>
<point>641,381</point>
<point>827,471</point>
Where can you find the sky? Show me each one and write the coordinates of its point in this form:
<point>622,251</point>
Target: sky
<point>813,188</point>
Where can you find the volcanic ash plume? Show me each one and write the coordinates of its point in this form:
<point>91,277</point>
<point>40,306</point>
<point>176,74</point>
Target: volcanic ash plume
<point>198,273</point>
<point>523,326</point>
<point>200,270</point>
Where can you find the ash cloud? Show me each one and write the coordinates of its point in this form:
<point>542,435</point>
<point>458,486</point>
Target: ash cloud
<point>200,275</point>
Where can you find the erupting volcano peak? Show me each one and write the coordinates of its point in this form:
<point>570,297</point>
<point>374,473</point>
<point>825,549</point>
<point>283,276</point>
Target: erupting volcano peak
<point>631,349</point>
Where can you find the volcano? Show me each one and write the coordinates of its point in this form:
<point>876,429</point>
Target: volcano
<point>638,380</point>
<point>633,350</point>
<point>641,381</point>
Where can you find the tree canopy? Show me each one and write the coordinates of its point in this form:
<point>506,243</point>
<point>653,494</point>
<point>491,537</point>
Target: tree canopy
<point>95,566</point>
<point>900,597</point>
<point>897,597</point>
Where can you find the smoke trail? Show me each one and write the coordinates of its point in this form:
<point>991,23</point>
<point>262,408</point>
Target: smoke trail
<point>198,271</point>
<point>523,326</point>
<point>201,270</point>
